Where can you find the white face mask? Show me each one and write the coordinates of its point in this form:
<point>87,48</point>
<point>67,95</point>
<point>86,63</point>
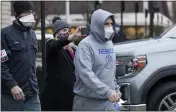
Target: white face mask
<point>28,20</point>
<point>108,32</point>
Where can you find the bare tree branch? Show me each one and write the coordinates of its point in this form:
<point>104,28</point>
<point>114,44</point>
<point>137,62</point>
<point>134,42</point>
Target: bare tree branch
<point>48,10</point>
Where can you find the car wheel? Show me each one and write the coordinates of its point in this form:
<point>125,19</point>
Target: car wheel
<point>163,98</point>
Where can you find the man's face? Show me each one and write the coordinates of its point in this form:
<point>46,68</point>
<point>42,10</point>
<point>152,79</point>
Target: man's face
<point>26,13</point>
<point>108,23</point>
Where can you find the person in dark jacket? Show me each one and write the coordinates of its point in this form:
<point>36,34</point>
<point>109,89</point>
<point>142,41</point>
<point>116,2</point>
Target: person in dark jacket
<point>19,87</point>
<point>58,94</point>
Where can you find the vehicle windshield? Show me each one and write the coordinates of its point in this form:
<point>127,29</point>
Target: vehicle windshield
<point>171,33</point>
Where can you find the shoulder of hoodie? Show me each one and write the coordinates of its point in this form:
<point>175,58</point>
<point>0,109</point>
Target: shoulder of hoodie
<point>86,42</point>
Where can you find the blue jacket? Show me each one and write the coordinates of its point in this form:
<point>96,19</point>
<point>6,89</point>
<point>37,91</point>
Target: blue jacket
<point>20,44</point>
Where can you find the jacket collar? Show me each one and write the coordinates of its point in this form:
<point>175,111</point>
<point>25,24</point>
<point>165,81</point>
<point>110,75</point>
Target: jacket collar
<point>19,27</point>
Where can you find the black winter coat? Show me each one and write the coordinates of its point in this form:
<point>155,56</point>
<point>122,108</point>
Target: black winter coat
<point>20,43</point>
<point>58,89</point>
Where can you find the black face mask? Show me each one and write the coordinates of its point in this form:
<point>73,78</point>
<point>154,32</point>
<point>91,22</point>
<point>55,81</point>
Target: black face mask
<point>63,36</point>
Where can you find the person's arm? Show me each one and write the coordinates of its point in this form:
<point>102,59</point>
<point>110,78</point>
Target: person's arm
<point>6,76</point>
<point>83,64</point>
<point>55,45</point>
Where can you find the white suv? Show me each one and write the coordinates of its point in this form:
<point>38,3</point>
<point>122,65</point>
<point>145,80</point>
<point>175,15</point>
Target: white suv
<point>146,71</point>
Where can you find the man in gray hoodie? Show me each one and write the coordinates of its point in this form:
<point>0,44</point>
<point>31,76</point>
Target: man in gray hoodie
<point>95,67</point>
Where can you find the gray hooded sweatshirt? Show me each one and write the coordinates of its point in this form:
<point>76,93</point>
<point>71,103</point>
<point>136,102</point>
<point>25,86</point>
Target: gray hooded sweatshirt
<point>95,67</point>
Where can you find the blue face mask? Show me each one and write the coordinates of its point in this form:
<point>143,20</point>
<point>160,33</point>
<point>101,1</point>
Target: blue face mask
<point>63,36</point>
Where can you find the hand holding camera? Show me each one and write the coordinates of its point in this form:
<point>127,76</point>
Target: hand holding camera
<point>77,34</point>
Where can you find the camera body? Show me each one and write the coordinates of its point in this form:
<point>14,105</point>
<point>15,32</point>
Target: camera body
<point>86,30</point>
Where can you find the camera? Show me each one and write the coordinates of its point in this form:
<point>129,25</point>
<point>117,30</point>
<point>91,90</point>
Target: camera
<point>85,30</point>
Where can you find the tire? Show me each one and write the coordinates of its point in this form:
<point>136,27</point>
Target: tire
<point>158,94</point>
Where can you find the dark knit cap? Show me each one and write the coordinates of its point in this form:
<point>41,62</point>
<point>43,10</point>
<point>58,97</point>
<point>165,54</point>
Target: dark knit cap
<point>58,25</point>
<point>22,6</point>
<point>55,19</point>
